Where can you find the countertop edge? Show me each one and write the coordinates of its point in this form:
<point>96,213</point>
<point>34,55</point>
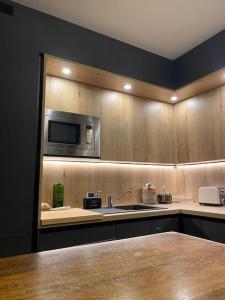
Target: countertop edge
<point>194,211</point>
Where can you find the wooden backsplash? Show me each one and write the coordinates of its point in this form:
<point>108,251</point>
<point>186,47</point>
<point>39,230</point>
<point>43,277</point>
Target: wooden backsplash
<point>190,178</point>
<point>111,179</point>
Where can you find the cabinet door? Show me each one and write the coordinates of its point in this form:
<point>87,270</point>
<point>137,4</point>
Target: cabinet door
<point>134,228</point>
<point>214,229</point>
<point>76,235</point>
<point>192,225</point>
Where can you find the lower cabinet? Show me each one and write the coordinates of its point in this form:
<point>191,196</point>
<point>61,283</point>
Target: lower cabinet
<point>207,228</point>
<point>137,227</point>
<point>214,229</point>
<point>192,225</point>
<point>60,237</point>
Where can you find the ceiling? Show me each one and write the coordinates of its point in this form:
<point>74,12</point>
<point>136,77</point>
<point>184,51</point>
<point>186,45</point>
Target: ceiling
<point>167,28</point>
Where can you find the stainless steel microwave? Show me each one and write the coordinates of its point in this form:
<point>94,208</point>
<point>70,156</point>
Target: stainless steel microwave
<point>69,134</point>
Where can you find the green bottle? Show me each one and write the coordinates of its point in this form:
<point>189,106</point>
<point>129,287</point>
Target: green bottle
<point>58,194</point>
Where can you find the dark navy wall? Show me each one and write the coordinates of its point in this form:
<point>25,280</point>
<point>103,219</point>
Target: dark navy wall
<point>201,60</point>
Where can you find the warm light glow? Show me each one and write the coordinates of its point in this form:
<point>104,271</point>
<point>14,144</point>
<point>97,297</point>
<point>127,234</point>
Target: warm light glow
<point>202,163</point>
<point>127,87</point>
<point>66,71</point>
<point>174,98</point>
<point>51,159</point>
<point>90,161</point>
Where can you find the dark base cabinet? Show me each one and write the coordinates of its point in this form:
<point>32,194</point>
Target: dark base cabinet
<point>192,225</point>
<point>136,227</point>
<point>207,228</point>
<point>61,237</point>
<point>214,230</point>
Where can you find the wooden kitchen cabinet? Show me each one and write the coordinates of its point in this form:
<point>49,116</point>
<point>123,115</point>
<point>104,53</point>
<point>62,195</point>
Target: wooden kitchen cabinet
<point>132,128</point>
<point>199,129</point>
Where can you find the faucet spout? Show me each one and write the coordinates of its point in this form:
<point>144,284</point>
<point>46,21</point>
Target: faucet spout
<point>111,203</point>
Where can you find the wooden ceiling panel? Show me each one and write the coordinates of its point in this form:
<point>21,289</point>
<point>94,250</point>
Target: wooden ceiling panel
<point>104,79</point>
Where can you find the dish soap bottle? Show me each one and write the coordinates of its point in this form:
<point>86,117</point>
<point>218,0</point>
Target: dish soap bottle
<point>58,195</point>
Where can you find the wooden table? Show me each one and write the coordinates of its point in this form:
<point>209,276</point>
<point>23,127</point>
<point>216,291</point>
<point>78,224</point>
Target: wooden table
<point>168,266</point>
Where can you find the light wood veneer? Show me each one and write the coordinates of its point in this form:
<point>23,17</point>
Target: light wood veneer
<point>104,79</point>
<point>68,216</point>
<point>199,132</point>
<point>132,129</point>
<point>110,179</point>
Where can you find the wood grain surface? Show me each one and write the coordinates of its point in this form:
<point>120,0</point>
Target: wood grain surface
<point>168,266</point>
<point>190,178</point>
<point>132,129</point>
<point>104,79</point>
<point>200,127</point>
<point>68,216</point>
<point>111,179</point>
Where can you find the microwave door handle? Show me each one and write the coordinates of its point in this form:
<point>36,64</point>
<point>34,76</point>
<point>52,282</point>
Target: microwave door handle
<point>89,134</point>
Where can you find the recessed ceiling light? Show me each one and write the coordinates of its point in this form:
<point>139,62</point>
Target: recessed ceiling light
<point>174,98</point>
<point>66,71</point>
<point>127,87</point>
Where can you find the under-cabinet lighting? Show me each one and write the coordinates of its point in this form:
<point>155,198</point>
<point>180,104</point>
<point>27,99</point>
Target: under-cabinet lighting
<point>66,71</point>
<point>127,87</point>
<point>104,162</point>
<point>174,98</point>
<point>129,163</point>
<point>202,163</point>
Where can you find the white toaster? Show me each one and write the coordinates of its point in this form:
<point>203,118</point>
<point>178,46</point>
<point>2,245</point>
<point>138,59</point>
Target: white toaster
<point>211,195</point>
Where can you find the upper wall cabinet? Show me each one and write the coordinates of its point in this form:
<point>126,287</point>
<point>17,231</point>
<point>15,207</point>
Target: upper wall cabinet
<point>200,127</point>
<point>132,129</point>
<point>135,126</point>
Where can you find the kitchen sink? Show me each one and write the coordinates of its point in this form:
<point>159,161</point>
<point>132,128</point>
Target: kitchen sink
<point>108,210</point>
<point>125,208</point>
<point>139,207</point>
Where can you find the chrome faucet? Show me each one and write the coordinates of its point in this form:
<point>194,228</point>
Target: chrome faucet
<point>110,201</point>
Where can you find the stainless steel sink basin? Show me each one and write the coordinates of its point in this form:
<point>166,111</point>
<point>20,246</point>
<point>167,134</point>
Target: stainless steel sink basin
<point>125,208</point>
<point>108,210</point>
<point>139,207</point>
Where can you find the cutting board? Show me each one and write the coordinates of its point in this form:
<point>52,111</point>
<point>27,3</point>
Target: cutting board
<point>71,215</point>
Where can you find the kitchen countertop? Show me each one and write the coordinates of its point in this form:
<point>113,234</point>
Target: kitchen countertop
<point>189,208</point>
<point>157,267</point>
<point>71,215</point>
